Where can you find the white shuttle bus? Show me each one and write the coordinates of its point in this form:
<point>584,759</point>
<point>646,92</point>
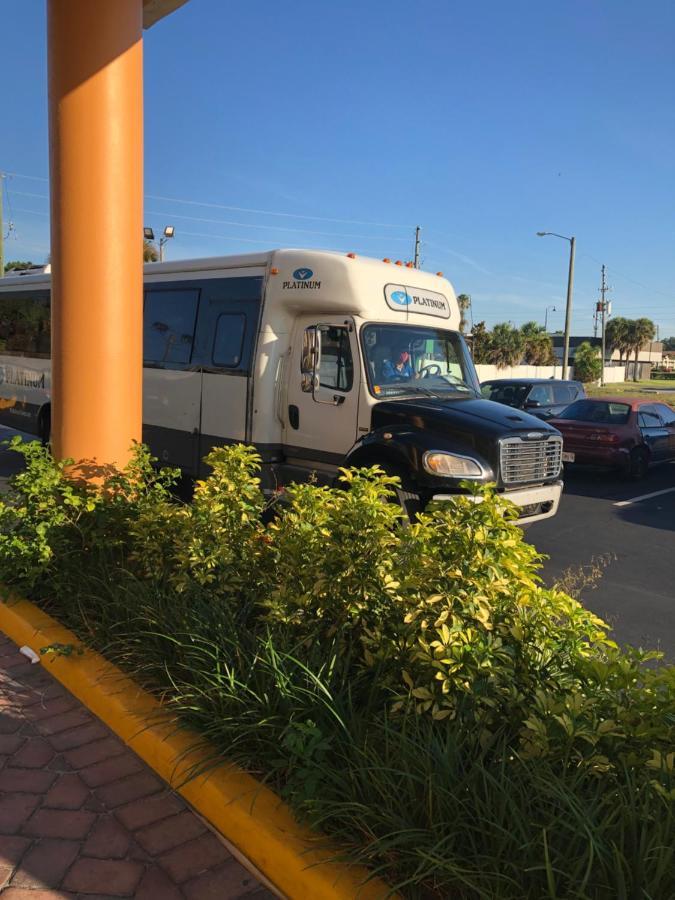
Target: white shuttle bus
<point>318,359</point>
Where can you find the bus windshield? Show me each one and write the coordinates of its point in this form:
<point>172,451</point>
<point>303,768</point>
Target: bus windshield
<point>408,359</point>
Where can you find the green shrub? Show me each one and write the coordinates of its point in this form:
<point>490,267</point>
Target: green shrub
<point>414,691</point>
<point>587,363</point>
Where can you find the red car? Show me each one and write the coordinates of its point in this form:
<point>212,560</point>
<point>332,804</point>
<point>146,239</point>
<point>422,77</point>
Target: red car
<point>617,432</point>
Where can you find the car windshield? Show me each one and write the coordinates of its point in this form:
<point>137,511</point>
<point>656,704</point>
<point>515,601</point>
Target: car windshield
<point>602,412</point>
<point>505,392</point>
<point>405,359</point>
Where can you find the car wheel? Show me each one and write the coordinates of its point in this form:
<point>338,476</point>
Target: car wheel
<point>639,463</point>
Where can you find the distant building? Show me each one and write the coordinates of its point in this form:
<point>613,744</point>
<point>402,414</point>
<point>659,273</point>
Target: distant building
<point>651,354</point>
<point>668,361</point>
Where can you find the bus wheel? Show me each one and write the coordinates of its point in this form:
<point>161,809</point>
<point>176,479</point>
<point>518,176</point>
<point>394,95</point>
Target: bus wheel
<point>405,495</point>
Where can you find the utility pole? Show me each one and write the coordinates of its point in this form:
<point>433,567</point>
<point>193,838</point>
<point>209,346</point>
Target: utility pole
<point>603,312</point>
<point>568,309</point>
<point>2,229</point>
<point>417,248</point>
<point>568,305</point>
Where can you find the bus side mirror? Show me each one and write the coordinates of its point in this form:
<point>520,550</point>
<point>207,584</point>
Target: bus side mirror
<point>311,359</point>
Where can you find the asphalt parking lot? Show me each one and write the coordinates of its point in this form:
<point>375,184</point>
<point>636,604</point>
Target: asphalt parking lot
<point>601,514</point>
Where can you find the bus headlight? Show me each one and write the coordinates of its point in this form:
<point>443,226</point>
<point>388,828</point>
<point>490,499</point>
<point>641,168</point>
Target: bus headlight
<point>451,465</point>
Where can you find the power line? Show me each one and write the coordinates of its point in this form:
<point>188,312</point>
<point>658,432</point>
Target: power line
<point>27,194</point>
<point>29,177</point>
<point>369,237</point>
<point>268,212</point>
<point>34,212</point>
<point>262,212</point>
<point>227,237</point>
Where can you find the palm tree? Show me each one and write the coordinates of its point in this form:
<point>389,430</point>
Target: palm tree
<point>480,344</point>
<point>538,349</point>
<point>150,252</point>
<point>506,345</point>
<point>464,302</point>
<point>641,331</point>
<point>616,334</point>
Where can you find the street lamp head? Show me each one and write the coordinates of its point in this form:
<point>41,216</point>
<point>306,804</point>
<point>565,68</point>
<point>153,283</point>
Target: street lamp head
<point>542,233</point>
<point>148,234</point>
<point>169,231</point>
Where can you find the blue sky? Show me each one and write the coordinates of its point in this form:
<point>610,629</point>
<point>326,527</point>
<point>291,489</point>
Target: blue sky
<point>482,122</point>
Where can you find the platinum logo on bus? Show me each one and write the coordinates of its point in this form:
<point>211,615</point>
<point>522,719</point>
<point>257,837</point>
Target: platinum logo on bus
<point>417,300</point>
<point>302,280</point>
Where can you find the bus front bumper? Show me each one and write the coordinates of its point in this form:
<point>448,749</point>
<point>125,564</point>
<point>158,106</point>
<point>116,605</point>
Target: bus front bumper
<point>536,503</point>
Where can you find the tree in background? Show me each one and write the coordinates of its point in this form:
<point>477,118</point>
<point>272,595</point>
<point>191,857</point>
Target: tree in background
<point>617,332</point>
<point>669,343</point>
<point>538,350</point>
<point>464,302</point>
<point>16,265</point>
<point>506,345</point>
<point>480,344</point>
<point>641,331</point>
<point>150,252</point>
<point>587,363</point>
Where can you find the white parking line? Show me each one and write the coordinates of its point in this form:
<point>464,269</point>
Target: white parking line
<point>644,497</point>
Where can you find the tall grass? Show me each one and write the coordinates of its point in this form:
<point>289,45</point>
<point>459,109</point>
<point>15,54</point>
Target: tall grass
<point>434,812</point>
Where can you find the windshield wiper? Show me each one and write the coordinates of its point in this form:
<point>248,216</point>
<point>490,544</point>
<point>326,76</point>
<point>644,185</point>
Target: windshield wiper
<point>424,390</point>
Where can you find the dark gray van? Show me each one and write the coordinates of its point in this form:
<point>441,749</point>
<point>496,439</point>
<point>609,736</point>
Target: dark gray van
<point>542,397</point>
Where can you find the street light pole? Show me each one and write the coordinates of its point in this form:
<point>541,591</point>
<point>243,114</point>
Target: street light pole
<point>546,317</point>
<point>149,235</point>
<point>568,307</point>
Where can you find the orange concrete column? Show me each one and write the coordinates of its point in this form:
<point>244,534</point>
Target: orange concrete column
<point>96,161</point>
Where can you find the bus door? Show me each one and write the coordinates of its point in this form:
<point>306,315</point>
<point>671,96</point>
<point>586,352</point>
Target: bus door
<point>171,382</point>
<point>228,320</point>
<point>322,395</point>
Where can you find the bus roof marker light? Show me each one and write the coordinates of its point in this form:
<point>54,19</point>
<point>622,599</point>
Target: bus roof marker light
<point>409,265</point>
<point>398,263</point>
<point>440,274</point>
<point>274,271</point>
<point>351,255</point>
<point>386,259</point>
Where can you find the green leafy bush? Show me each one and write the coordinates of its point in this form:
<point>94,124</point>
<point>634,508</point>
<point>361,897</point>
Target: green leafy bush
<point>414,691</point>
<point>587,363</point>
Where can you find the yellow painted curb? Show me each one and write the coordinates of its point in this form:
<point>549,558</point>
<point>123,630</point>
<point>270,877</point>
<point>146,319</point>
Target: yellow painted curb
<point>243,810</point>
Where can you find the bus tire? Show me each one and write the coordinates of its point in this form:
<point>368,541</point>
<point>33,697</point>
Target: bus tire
<point>405,495</point>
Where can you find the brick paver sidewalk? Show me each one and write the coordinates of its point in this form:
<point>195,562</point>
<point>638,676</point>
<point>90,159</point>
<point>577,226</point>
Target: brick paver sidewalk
<point>82,816</point>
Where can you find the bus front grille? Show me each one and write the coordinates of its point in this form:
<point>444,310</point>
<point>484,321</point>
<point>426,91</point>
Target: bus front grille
<point>523,461</point>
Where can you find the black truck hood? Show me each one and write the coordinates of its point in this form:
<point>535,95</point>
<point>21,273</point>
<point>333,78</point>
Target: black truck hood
<point>459,415</point>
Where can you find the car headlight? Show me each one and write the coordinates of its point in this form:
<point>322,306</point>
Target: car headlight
<point>451,465</point>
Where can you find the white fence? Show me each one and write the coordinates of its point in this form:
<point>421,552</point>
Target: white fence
<point>613,374</point>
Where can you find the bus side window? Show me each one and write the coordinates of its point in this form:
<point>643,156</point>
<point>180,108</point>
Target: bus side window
<point>228,340</point>
<point>169,318</point>
<point>25,324</point>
